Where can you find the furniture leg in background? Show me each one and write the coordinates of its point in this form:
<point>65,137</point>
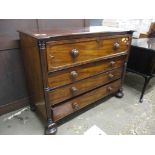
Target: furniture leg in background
<point>146,82</point>
<point>142,60</point>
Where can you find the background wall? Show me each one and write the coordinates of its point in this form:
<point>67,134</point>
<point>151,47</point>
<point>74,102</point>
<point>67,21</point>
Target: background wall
<point>13,92</point>
<point>140,25</point>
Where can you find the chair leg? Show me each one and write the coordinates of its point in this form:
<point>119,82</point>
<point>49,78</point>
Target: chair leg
<point>147,79</point>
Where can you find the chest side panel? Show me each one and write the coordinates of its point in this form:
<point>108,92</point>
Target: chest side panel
<point>33,72</point>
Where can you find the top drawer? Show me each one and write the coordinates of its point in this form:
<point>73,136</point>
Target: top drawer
<point>68,53</point>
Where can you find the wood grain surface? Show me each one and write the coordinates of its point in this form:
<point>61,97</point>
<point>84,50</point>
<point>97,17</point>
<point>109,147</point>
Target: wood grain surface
<point>73,105</point>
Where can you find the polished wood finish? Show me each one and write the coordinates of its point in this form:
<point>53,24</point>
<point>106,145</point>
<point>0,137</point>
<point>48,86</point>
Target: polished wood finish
<point>68,69</point>
<point>31,58</point>
<point>64,33</point>
<point>77,51</point>
<point>73,105</point>
<point>71,75</point>
<point>72,90</point>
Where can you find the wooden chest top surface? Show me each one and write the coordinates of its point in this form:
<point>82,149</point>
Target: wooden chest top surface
<point>70,32</point>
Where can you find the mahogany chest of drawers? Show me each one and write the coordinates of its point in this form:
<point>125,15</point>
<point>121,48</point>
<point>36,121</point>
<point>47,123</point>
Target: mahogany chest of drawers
<point>67,70</point>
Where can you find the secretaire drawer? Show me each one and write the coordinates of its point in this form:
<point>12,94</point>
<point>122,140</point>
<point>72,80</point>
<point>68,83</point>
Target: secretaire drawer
<point>72,90</point>
<point>71,75</point>
<point>75,104</point>
<point>67,53</point>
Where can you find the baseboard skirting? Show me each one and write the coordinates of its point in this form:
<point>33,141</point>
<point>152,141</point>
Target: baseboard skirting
<point>14,105</point>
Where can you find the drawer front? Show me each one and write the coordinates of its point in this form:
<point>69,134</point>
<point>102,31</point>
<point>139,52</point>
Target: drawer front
<point>72,90</point>
<point>71,75</point>
<point>73,105</point>
<point>74,53</point>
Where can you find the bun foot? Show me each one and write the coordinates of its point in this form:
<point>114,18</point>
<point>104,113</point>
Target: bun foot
<point>51,129</point>
<point>119,94</point>
<point>32,108</point>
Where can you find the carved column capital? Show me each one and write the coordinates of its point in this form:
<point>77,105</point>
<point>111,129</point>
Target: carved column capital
<point>42,45</point>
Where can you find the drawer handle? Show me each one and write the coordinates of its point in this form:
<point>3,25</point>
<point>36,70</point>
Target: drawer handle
<point>109,89</point>
<point>110,76</point>
<point>112,63</point>
<point>74,90</point>
<point>127,43</point>
<point>75,106</point>
<point>116,46</point>
<point>74,53</point>
<point>74,74</point>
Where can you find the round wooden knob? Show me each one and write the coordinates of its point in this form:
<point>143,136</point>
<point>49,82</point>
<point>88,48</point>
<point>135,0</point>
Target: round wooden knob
<point>75,106</point>
<point>127,43</point>
<point>116,46</point>
<point>110,76</point>
<point>112,63</point>
<point>74,74</point>
<point>109,89</point>
<point>74,53</point>
<point>74,90</point>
